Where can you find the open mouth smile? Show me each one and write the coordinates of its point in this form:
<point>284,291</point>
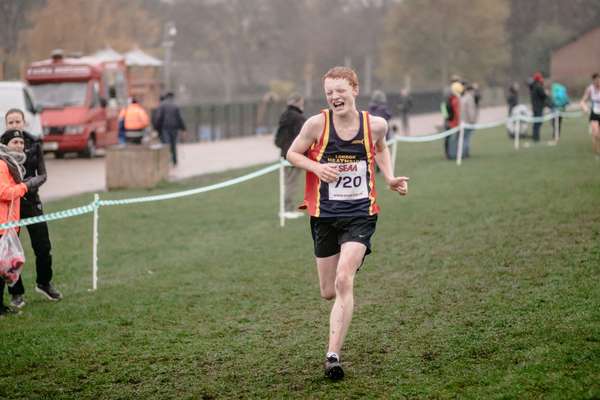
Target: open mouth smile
<point>337,104</point>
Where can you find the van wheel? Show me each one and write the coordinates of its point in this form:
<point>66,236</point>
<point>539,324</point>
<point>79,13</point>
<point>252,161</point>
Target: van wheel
<point>90,148</point>
<point>59,155</point>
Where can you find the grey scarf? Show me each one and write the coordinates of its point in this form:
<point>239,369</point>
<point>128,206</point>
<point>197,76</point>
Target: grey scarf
<point>14,160</point>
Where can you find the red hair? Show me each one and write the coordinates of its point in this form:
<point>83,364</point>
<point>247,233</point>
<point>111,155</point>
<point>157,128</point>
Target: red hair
<point>343,73</point>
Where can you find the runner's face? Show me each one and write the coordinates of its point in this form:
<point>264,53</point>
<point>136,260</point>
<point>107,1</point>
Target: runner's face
<point>15,121</point>
<point>16,144</point>
<point>340,95</point>
<point>597,82</point>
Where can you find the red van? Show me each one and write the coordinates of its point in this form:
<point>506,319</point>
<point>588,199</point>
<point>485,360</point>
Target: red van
<point>80,100</point>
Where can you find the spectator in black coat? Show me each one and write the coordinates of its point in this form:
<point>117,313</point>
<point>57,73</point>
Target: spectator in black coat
<point>539,100</point>
<point>378,107</point>
<point>168,123</point>
<point>512,99</point>
<point>476,94</point>
<point>404,106</point>
<point>290,123</point>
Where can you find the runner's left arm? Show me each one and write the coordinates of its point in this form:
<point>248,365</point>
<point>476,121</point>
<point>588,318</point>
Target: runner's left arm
<point>379,128</point>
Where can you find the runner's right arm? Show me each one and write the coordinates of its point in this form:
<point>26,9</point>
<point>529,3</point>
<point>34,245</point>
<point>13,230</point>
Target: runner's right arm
<point>309,134</point>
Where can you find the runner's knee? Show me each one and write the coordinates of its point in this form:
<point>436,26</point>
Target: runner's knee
<point>328,293</point>
<point>343,283</point>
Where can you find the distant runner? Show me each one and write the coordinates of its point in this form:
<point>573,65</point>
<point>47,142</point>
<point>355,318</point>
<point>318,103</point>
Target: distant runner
<point>592,94</point>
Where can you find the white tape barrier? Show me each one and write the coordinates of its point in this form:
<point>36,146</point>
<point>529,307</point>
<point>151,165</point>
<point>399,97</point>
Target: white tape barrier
<point>169,196</point>
<point>428,138</point>
<point>488,125</point>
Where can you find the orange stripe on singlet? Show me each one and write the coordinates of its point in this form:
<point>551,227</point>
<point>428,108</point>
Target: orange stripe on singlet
<point>324,142</point>
<point>370,162</point>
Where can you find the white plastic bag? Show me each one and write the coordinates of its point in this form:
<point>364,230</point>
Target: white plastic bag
<point>12,256</point>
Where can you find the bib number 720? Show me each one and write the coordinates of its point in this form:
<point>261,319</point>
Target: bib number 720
<point>348,182</point>
<point>351,183</point>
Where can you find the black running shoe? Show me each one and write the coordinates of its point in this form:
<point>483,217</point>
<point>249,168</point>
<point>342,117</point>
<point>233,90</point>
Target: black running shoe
<point>7,311</point>
<point>333,368</point>
<point>49,291</point>
<point>17,301</point>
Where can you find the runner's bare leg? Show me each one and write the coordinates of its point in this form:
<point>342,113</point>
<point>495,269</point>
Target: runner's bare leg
<point>326,267</point>
<point>351,257</point>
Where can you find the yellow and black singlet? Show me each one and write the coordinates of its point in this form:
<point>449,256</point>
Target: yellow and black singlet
<point>353,193</point>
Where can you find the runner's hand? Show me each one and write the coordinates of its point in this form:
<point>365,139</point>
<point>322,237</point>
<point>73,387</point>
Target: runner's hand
<point>327,172</point>
<point>399,184</point>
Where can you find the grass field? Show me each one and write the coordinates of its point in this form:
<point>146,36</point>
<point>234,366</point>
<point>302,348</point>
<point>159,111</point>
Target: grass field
<point>483,284</point>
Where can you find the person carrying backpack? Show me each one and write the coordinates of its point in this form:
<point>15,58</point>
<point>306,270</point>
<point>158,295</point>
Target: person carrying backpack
<point>560,100</point>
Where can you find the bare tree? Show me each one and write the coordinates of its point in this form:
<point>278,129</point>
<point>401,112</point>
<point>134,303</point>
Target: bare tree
<point>88,26</point>
<point>13,14</point>
<point>248,45</point>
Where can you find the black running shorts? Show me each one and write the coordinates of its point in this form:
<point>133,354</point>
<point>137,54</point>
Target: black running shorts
<point>594,116</point>
<point>329,233</point>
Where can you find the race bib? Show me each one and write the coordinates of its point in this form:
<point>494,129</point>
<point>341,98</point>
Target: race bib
<point>351,183</point>
<point>596,107</point>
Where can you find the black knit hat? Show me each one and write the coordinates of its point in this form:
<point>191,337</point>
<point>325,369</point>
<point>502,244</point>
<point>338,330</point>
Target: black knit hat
<point>10,134</point>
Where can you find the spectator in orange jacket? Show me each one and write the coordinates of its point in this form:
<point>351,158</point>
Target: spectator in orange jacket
<point>133,121</point>
<point>12,187</point>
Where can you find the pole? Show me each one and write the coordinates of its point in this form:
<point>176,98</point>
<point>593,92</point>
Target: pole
<point>394,152</point>
<point>168,48</point>
<point>368,73</point>
<point>556,116</point>
<point>461,138</point>
<point>282,193</point>
<point>517,125</point>
<point>95,244</point>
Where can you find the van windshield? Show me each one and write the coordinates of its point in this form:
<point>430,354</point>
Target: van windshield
<point>59,95</point>
<point>10,98</point>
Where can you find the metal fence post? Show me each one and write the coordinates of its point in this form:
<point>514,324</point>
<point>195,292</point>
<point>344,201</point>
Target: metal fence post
<point>95,244</point>
<point>281,192</point>
<point>461,138</point>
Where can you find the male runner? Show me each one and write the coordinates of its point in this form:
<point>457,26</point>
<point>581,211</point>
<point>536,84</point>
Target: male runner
<point>338,148</point>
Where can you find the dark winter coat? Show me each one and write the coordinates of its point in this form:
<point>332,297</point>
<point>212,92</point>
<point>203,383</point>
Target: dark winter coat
<point>539,98</point>
<point>512,99</point>
<point>168,117</point>
<point>380,110</point>
<point>34,166</point>
<point>404,105</point>
<point>290,123</point>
